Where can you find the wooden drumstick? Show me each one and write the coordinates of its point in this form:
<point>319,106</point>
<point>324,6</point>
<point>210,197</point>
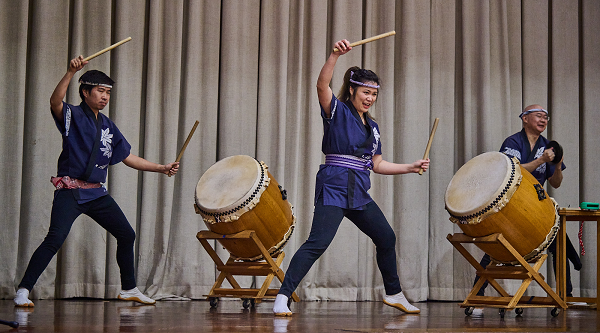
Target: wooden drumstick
<point>368,40</point>
<point>107,49</point>
<point>435,123</point>
<point>12,324</point>
<point>186,142</point>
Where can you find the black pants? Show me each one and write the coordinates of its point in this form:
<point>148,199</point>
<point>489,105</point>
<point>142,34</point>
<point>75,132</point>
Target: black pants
<point>65,210</point>
<point>326,221</point>
<point>571,255</point>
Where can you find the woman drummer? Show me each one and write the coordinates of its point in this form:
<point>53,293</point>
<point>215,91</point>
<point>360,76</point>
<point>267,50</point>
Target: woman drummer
<point>352,148</point>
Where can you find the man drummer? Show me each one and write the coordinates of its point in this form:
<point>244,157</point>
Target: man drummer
<point>91,142</point>
<point>530,147</point>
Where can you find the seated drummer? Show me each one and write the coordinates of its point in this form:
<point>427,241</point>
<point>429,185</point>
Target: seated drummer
<point>530,147</point>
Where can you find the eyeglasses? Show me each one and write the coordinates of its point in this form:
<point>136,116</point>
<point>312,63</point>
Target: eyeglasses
<point>541,116</point>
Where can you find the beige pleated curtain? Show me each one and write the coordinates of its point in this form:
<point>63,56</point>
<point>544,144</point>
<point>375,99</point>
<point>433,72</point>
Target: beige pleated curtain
<point>247,69</point>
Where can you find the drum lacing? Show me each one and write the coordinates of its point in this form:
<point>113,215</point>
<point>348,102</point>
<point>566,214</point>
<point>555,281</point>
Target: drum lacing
<point>464,219</point>
<point>243,204</point>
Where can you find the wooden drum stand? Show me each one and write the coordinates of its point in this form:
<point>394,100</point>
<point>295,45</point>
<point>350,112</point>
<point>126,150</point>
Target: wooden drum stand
<point>525,272</point>
<point>267,267</point>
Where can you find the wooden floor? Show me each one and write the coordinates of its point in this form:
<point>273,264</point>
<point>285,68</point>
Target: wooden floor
<point>85,315</point>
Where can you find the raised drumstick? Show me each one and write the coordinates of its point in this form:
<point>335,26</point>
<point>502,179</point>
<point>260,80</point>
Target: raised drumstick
<point>186,142</point>
<point>368,40</point>
<point>107,49</point>
<point>435,123</point>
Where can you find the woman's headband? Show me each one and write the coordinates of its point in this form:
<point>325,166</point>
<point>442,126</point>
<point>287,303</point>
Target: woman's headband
<point>362,83</point>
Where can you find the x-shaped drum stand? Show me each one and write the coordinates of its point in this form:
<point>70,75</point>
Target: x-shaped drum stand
<point>525,271</point>
<point>268,267</point>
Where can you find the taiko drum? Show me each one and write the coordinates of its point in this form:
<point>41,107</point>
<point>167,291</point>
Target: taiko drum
<point>238,193</point>
<point>493,193</point>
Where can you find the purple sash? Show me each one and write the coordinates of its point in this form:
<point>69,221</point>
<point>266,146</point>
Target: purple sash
<point>349,161</point>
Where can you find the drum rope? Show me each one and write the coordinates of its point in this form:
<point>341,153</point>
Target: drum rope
<point>580,234</point>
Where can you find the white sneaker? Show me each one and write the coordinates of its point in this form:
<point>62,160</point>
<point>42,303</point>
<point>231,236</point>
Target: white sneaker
<point>400,302</point>
<point>22,298</point>
<point>280,307</point>
<point>135,295</point>
<point>477,312</point>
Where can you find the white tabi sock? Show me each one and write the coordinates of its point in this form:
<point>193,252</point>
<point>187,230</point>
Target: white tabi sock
<point>400,302</point>
<point>22,298</point>
<point>135,295</point>
<point>280,307</point>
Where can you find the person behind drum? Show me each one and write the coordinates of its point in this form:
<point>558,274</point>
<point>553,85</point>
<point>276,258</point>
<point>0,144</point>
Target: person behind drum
<point>85,131</point>
<point>352,147</point>
<point>529,146</point>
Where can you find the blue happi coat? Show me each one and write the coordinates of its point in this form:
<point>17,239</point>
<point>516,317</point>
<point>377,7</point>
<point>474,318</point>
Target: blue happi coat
<point>345,133</point>
<point>78,130</point>
<point>517,145</point>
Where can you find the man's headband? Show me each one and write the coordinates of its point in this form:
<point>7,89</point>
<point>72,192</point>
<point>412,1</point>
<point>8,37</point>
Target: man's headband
<point>532,110</point>
<point>95,84</point>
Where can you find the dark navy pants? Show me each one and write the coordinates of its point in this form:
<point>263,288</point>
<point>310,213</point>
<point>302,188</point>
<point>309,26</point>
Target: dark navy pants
<point>326,221</point>
<point>65,210</point>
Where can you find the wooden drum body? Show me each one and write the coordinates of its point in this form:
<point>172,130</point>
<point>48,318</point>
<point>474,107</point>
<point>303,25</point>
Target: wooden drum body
<point>238,193</point>
<point>492,193</point>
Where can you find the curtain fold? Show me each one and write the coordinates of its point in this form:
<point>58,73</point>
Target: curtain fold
<point>247,71</point>
<point>13,65</point>
<point>588,139</point>
<point>441,254</point>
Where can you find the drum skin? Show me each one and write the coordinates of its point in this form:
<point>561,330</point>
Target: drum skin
<point>527,223</point>
<point>271,218</point>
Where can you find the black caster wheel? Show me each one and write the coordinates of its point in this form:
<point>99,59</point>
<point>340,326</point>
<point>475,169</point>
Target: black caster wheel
<point>555,312</point>
<point>502,313</point>
<point>213,302</point>
<point>519,311</point>
<point>468,311</point>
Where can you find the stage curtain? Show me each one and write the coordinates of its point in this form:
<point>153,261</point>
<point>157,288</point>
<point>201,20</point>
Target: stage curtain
<point>247,71</point>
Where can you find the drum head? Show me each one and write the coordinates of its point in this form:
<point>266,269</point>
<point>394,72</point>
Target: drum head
<point>477,183</point>
<point>227,183</point>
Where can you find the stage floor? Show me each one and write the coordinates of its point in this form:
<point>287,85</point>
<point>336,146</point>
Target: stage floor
<point>85,315</point>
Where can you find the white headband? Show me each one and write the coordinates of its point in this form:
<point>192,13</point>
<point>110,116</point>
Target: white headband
<point>365,84</point>
<point>362,83</point>
<point>532,110</point>
<point>96,84</point>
